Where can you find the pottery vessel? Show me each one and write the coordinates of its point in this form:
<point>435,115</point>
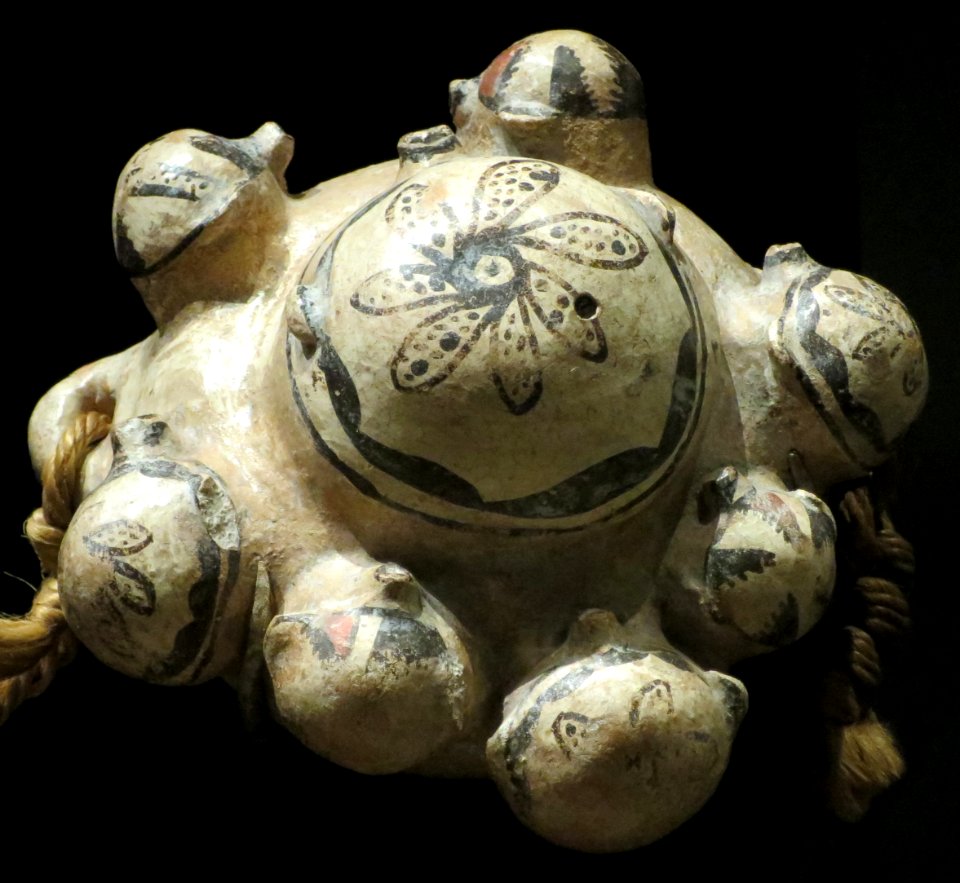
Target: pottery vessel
<point>493,458</point>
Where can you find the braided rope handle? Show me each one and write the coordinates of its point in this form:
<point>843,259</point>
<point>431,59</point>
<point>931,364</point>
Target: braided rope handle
<point>866,759</point>
<point>34,646</point>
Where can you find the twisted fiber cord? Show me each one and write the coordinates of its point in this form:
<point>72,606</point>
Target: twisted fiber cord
<point>34,646</point>
<point>866,759</point>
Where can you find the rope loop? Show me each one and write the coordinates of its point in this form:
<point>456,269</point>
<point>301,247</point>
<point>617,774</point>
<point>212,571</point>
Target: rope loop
<point>866,759</point>
<point>34,646</point>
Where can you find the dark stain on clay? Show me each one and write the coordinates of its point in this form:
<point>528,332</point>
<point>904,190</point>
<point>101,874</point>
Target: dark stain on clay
<point>645,763</point>
<point>153,433</point>
<point>141,432</point>
<point>710,502</point>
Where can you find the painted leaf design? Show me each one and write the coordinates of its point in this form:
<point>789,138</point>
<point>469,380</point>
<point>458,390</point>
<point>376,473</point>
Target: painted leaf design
<point>118,539</point>
<point>403,212</point>
<point>133,589</point>
<point>482,277</point>
<point>554,301</point>
<point>410,288</point>
<point>870,343</point>
<point>416,223</point>
<point>868,302</point>
<point>516,359</point>
<point>507,188</point>
<point>585,238</point>
<point>437,345</point>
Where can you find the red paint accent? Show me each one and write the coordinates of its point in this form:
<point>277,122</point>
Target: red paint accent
<point>488,82</point>
<point>773,503</point>
<point>339,629</point>
<point>786,520</point>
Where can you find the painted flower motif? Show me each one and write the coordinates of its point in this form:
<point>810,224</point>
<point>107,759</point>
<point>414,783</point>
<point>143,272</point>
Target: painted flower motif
<point>482,278</point>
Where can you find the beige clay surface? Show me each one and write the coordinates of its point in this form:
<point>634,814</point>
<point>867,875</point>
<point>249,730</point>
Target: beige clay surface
<point>504,430</point>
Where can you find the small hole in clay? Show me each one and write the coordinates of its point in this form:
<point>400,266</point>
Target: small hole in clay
<point>586,307</point>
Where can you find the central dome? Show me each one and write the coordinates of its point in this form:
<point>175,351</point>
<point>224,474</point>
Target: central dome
<point>506,337</point>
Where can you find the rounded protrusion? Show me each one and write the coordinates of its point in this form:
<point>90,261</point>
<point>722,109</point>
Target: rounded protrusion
<point>149,564</point>
<point>770,570</point>
<point>417,150</point>
<point>592,628</point>
<point>563,96</point>
<point>661,219</point>
<point>615,750</point>
<point>376,688</point>
<point>140,437</point>
<point>176,186</point>
<point>273,146</point>
<point>195,216</point>
<point>566,73</point>
<point>855,350</point>
<point>505,300</point>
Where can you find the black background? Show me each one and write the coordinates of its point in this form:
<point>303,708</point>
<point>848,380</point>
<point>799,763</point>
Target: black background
<point>774,129</point>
